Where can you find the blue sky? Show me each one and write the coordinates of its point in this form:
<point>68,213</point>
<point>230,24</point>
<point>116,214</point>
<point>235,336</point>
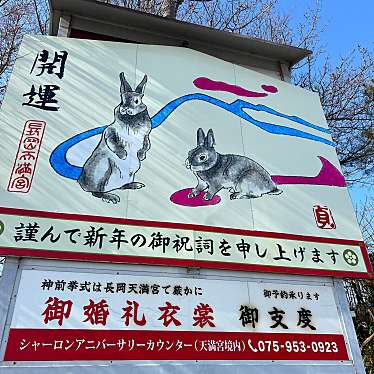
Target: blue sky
<point>347,24</point>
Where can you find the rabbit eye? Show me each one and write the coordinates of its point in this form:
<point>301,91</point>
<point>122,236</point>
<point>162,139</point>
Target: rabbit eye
<point>202,158</point>
<point>136,101</point>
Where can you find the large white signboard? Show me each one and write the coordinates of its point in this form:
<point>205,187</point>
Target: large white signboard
<point>144,137</point>
<point>86,316</point>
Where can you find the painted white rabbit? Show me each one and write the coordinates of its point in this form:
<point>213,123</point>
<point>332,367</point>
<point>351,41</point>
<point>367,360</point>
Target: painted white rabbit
<point>124,143</point>
<point>244,177</point>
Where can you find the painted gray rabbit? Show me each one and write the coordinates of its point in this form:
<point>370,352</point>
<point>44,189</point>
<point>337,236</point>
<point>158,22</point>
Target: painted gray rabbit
<point>244,177</point>
<point>124,143</point>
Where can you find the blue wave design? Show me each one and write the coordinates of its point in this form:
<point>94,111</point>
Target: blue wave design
<point>236,107</point>
<point>58,159</point>
<point>60,164</point>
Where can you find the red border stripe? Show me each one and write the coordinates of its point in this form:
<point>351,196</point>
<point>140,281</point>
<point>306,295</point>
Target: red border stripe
<point>67,255</point>
<point>120,259</point>
<point>24,337</point>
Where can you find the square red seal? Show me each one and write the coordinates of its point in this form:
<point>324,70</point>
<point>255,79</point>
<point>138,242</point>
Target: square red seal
<point>27,157</point>
<point>324,218</point>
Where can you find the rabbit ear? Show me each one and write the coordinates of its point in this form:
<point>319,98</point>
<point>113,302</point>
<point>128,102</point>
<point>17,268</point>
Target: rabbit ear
<point>125,87</point>
<point>200,136</point>
<point>141,85</point>
<point>209,140</point>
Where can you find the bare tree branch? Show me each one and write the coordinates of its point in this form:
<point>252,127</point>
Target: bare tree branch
<point>17,18</point>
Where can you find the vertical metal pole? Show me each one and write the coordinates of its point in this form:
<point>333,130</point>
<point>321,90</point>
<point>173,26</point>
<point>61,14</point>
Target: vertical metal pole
<point>64,26</point>
<point>284,72</point>
<point>348,323</point>
<point>7,283</point>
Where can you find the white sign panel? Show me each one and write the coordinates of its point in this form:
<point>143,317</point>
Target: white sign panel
<point>85,316</point>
